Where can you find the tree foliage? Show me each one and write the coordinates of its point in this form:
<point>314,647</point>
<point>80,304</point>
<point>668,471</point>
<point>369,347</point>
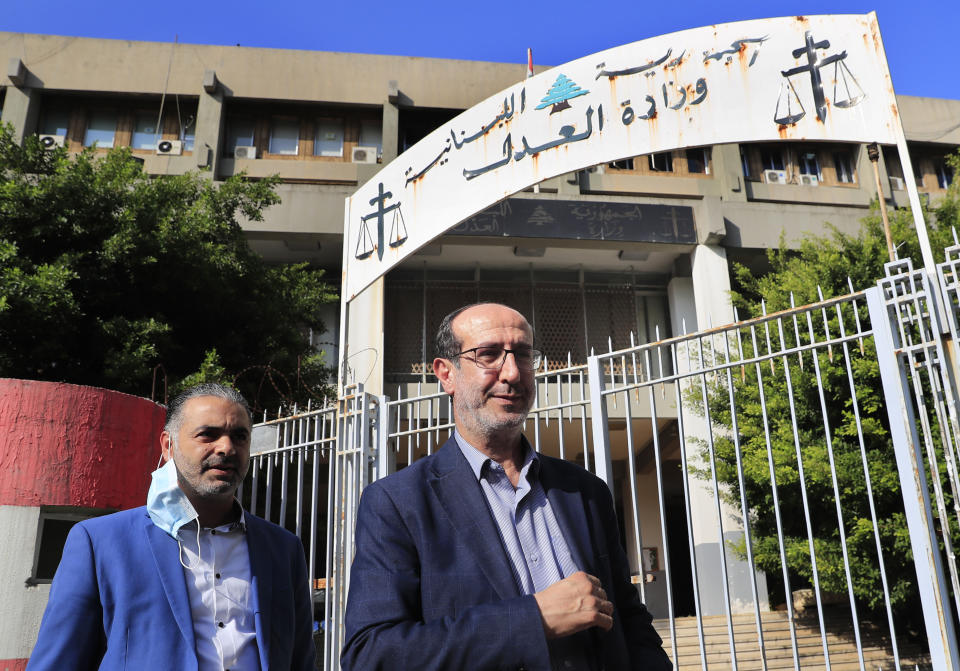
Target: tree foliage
<point>830,264</point>
<point>107,274</point>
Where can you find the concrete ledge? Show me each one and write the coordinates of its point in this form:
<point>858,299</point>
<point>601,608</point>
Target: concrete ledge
<point>320,171</point>
<point>678,187</point>
<point>809,195</point>
<point>167,165</point>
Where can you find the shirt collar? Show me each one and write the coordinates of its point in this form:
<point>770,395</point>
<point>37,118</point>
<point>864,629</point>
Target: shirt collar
<point>238,524</point>
<point>478,459</point>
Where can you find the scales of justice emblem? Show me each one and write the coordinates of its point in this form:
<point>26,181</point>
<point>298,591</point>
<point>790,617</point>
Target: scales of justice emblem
<point>847,91</point>
<point>398,229</point>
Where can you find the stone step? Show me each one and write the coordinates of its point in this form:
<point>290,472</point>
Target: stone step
<point>841,643</point>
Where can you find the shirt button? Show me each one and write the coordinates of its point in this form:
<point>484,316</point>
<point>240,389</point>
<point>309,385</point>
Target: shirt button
<point>220,624</point>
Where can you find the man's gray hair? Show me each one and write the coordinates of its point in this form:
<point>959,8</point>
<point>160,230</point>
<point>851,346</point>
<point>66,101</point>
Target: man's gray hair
<point>175,408</point>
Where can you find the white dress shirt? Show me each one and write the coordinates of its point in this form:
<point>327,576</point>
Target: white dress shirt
<point>221,600</point>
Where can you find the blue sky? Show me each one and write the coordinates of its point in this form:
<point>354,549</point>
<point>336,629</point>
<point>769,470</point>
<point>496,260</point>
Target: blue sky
<point>920,36</point>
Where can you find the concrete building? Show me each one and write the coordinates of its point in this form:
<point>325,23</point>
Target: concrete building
<point>327,122</point>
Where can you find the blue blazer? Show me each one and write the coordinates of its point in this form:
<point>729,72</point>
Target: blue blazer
<point>119,599</point>
<point>431,586</point>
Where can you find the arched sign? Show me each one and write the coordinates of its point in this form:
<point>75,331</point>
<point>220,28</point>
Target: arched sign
<point>793,78</point>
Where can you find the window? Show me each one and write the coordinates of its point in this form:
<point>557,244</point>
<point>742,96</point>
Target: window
<point>698,161</point>
<point>55,122</point>
<point>624,164</point>
<point>144,132</point>
<point>239,134</point>
<point>662,162</point>
<point>843,166</point>
<point>329,138</point>
<point>944,174</point>
<point>55,523</point>
<point>101,129</point>
<point>284,136</point>
<point>771,159</point>
<point>809,165</point>
<point>744,163</point>
<point>917,173</point>
<point>371,135</point>
<point>188,133</point>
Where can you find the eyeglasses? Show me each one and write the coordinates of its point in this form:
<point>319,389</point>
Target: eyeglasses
<point>494,356</point>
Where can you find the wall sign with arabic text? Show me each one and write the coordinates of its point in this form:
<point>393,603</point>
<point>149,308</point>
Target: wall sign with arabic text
<point>583,220</point>
<point>791,78</point>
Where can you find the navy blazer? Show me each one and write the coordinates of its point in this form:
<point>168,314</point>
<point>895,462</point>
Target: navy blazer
<point>431,586</point>
<point>119,599</point>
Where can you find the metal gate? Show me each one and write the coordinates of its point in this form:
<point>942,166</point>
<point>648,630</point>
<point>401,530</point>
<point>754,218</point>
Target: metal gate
<point>787,485</point>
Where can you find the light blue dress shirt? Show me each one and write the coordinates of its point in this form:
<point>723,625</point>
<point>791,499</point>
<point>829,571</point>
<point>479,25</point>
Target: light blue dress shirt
<point>538,552</point>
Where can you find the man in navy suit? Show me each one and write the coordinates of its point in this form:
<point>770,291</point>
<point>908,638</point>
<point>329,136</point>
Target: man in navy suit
<point>486,555</point>
<point>190,581</point>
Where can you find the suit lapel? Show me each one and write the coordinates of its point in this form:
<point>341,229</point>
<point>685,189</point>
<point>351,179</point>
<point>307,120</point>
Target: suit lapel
<point>261,583</point>
<point>166,555</point>
<point>567,503</point>
<point>460,496</point>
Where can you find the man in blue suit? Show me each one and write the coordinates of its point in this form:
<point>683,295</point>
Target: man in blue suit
<point>486,555</point>
<point>190,581</point>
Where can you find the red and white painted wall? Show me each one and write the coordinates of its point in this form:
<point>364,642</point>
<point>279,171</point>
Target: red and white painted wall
<point>64,450</point>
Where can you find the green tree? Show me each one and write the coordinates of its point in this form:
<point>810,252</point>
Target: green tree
<point>108,274</point>
<point>796,276</point>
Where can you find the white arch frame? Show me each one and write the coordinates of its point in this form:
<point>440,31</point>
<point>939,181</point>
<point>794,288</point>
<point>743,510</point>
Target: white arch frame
<point>791,78</point>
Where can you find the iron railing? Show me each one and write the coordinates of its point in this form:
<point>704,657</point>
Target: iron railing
<point>751,463</point>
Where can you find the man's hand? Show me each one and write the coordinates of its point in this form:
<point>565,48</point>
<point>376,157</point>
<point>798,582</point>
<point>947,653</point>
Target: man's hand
<point>574,604</point>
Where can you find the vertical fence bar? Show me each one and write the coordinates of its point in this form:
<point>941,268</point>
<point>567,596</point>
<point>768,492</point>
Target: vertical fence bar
<point>941,635</point>
<point>744,510</point>
<point>685,478</point>
<point>768,440</point>
<point>386,458</point>
<point>598,417</point>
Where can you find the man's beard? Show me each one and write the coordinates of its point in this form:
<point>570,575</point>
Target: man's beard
<point>472,409</point>
<point>191,474</point>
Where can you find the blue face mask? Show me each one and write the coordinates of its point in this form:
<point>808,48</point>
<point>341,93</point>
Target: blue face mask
<point>167,505</point>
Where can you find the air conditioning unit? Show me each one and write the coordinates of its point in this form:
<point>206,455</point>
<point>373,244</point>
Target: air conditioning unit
<point>896,183</point>
<point>809,180</point>
<point>364,155</point>
<point>245,152</point>
<point>170,147</point>
<point>51,141</point>
<point>775,176</point>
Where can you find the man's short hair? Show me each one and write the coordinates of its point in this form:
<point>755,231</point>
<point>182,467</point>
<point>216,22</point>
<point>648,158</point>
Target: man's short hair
<point>175,408</point>
<point>446,343</point>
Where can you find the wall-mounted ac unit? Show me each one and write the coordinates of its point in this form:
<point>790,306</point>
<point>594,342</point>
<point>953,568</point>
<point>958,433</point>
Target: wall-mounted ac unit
<point>809,180</point>
<point>896,183</point>
<point>51,141</point>
<point>170,147</point>
<point>364,155</point>
<point>245,152</point>
<point>775,176</point>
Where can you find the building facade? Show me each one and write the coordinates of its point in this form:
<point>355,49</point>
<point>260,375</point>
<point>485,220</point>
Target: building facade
<point>327,122</point>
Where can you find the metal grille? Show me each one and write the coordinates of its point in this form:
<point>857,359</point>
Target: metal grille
<point>767,462</point>
<point>441,301</point>
<point>404,346</point>
<point>611,317</point>
<point>520,298</point>
<point>287,481</point>
<point>559,323</point>
<point>570,319</point>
